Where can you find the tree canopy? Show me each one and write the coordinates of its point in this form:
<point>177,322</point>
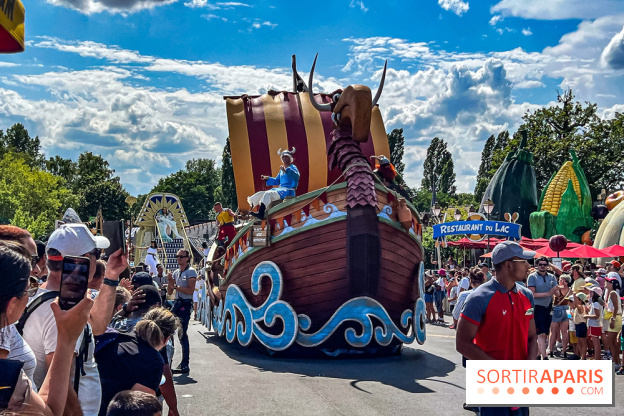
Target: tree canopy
<point>396,141</point>
<point>439,168</point>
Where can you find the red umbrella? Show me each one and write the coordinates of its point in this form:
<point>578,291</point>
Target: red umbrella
<point>546,251</point>
<point>588,252</point>
<point>615,250</point>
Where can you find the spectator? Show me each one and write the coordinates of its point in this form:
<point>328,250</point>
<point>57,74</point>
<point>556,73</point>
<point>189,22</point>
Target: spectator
<point>40,329</point>
<point>429,291</point>
<point>580,323</point>
<point>543,286</point>
<point>141,279</point>
<point>41,271</point>
<point>122,296</point>
<point>509,305</point>
<point>132,361</point>
<point>98,277</point>
<point>23,237</point>
<point>477,278</point>
<point>453,295</point>
<point>613,318</point>
<point>161,279</point>
<point>143,300</point>
<point>51,398</point>
<point>594,323</point>
<point>440,294</point>
<point>601,274</point>
<point>134,403</point>
<point>200,284</point>
<point>578,276</point>
<point>464,283</point>
<point>560,323</point>
<point>182,282</point>
<point>451,264</point>
<point>486,271</point>
<point>614,267</point>
<point>616,276</point>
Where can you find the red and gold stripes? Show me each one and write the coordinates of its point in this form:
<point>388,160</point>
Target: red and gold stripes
<point>259,126</point>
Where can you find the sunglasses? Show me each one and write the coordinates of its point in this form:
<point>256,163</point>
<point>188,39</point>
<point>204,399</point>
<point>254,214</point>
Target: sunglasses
<point>181,257</point>
<point>542,265</point>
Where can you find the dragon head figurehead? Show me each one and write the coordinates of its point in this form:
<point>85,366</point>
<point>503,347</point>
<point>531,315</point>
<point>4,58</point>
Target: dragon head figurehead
<point>351,108</point>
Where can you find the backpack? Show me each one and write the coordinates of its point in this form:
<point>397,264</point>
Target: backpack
<point>83,352</point>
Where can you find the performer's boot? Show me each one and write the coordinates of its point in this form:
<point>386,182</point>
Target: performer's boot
<point>260,213</point>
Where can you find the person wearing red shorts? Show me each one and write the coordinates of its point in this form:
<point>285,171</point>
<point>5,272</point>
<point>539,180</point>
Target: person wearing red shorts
<point>225,218</point>
<point>594,325</point>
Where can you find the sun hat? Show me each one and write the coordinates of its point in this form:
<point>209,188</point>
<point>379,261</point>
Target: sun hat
<point>615,263</point>
<point>581,296</point>
<point>442,272</point>
<point>597,290</point>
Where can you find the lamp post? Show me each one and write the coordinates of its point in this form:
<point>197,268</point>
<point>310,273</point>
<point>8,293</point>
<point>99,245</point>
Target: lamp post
<point>436,210</point>
<point>488,206</point>
<point>131,200</point>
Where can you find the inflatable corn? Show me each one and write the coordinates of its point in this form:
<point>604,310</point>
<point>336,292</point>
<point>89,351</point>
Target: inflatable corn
<point>565,205</point>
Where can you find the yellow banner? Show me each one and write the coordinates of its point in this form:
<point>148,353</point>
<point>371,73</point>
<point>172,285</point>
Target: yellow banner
<point>11,26</point>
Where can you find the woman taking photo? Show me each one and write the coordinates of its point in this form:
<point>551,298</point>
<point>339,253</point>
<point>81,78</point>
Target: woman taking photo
<point>131,361</point>
<point>15,267</point>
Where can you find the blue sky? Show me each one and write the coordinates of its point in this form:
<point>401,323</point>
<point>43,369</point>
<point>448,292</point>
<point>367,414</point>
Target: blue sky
<point>141,81</point>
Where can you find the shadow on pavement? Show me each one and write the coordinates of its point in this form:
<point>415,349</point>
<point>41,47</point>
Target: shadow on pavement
<point>183,379</point>
<point>401,371</point>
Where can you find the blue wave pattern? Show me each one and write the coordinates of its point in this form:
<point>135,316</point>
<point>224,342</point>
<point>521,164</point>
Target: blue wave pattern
<point>420,312</point>
<point>360,311</point>
<point>226,320</point>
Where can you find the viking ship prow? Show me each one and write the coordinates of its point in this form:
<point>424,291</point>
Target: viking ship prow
<point>336,270</point>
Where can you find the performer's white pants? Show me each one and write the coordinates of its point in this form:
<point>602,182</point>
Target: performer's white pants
<point>263,197</point>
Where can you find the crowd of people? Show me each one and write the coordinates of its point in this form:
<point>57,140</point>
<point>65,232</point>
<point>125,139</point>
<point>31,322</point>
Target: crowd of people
<point>111,353</point>
<point>577,308</point>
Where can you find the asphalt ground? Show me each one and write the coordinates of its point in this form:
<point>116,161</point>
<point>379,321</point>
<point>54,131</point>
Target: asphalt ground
<point>227,379</point>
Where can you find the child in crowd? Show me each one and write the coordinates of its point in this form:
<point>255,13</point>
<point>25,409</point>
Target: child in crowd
<point>580,324</point>
<point>594,321</point>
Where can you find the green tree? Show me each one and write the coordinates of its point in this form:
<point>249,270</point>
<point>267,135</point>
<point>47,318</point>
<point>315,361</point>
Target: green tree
<point>228,184</point>
<point>439,168</point>
<point>195,186</point>
<point>17,140</point>
<point>492,145</point>
<point>65,168</point>
<point>396,141</point>
<point>92,169</point>
<point>554,130</point>
<point>30,197</point>
<point>108,194</point>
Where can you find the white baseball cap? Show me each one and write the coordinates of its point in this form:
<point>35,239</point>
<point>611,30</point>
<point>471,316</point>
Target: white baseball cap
<point>75,240</point>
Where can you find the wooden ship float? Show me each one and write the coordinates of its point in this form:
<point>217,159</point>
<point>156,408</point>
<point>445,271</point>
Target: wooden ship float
<point>336,270</point>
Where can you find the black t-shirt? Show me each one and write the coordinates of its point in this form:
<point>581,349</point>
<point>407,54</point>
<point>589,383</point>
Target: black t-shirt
<point>124,362</point>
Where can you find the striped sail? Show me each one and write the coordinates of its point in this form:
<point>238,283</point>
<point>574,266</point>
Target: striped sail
<point>261,125</point>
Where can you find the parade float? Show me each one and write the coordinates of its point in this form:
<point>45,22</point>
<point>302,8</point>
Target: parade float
<point>161,219</point>
<point>337,270</point>
<point>565,206</point>
<point>11,26</point>
<point>611,229</point>
<point>513,189</point>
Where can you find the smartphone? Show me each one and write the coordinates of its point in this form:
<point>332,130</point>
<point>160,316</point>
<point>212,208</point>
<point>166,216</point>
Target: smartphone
<point>74,281</point>
<point>114,231</point>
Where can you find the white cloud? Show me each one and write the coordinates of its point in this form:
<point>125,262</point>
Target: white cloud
<point>196,4</point>
<point>558,9</point>
<point>495,19</point>
<point>112,6</point>
<point>211,16</point>
<point>360,4</point>
<point>527,31</point>
<point>613,54</point>
<point>458,7</point>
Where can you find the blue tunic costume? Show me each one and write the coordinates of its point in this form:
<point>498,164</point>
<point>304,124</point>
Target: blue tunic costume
<point>286,182</point>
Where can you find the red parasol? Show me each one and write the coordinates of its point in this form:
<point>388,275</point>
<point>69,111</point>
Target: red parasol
<point>615,250</point>
<point>546,251</point>
<point>588,252</point>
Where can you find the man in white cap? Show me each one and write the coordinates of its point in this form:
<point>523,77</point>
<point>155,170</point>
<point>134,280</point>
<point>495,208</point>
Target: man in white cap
<point>496,322</point>
<point>286,180</point>
<point>40,330</point>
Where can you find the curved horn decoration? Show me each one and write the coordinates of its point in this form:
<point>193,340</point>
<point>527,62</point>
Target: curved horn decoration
<point>292,152</point>
<point>319,107</point>
<point>279,152</point>
<point>381,84</point>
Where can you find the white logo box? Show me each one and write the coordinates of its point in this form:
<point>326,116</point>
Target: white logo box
<point>540,383</point>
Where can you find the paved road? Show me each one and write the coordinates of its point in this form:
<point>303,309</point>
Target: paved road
<point>227,379</point>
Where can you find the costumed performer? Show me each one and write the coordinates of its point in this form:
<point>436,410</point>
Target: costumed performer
<point>151,258</point>
<point>388,175</point>
<point>225,218</point>
<point>286,180</point>
<point>164,219</point>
